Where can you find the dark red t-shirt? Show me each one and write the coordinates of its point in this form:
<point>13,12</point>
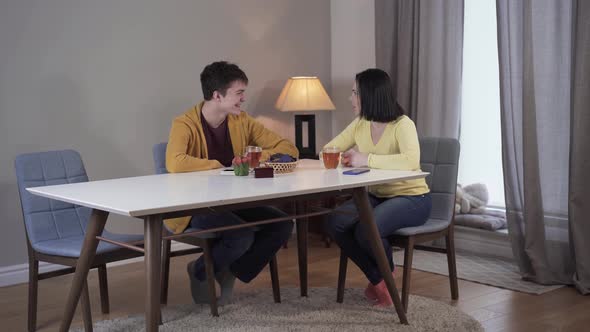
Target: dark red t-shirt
<point>218,142</point>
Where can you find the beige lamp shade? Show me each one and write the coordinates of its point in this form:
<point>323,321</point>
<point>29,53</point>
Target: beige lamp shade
<point>303,93</point>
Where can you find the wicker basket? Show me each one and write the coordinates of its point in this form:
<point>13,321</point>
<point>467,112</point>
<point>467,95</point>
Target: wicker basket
<point>280,168</point>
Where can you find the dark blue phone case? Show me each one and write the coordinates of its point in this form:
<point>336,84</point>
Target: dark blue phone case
<point>356,171</point>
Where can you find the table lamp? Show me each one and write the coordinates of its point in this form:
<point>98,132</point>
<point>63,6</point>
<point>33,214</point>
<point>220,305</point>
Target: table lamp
<point>304,94</point>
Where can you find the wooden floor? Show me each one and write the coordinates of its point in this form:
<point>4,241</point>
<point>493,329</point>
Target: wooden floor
<point>497,309</point>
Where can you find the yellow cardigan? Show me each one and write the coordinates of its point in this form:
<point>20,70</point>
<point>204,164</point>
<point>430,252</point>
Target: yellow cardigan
<point>397,149</point>
<point>187,148</point>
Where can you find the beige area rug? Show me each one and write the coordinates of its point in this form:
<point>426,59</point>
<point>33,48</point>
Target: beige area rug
<point>481,269</point>
<point>256,311</point>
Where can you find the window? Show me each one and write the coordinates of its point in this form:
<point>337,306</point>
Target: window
<point>481,144</point>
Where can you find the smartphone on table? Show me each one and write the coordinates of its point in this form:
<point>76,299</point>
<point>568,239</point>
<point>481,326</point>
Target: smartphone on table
<point>356,171</point>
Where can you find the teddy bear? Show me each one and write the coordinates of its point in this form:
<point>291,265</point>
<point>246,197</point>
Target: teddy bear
<point>472,198</point>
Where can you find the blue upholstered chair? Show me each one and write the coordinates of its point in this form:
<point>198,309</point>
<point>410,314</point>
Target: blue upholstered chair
<point>55,230</point>
<point>201,243</point>
<point>439,157</point>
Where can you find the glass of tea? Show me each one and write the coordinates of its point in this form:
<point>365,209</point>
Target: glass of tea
<point>331,157</point>
<point>254,153</point>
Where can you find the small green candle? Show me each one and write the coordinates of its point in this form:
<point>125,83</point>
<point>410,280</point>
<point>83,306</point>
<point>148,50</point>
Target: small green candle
<point>240,165</point>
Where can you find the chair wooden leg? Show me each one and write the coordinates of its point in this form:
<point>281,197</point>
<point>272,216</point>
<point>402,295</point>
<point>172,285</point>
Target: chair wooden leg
<point>452,265</point>
<point>408,256</point>
<point>210,277</point>
<point>86,313</point>
<point>341,277</point>
<point>165,271</point>
<point>33,287</point>
<point>104,289</point>
<point>327,240</point>
<point>274,277</point>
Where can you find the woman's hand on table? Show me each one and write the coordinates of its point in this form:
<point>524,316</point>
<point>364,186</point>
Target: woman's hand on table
<point>353,158</point>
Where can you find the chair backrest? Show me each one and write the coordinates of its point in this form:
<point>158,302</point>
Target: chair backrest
<point>440,157</point>
<point>47,219</point>
<point>159,153</point>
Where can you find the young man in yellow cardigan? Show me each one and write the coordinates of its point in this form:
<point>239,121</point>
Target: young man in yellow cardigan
<point>208,136</point>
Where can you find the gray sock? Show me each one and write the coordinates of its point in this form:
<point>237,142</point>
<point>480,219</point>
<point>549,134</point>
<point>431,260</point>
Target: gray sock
<point>199,289</point>
<point>226,282</point>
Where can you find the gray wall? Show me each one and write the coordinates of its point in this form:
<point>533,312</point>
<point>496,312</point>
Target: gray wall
<point>353,50</point>
<point>106,78</point>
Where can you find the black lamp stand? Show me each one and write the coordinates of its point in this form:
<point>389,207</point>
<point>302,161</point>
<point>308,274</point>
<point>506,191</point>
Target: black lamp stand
<point>307,151</point>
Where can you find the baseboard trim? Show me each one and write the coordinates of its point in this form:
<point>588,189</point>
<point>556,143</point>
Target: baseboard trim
<point>19,273</point>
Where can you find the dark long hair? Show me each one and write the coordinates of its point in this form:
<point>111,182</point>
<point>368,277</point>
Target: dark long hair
<point>376,95</point>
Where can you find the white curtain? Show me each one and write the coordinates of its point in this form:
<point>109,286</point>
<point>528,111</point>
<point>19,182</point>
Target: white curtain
<point>544,59</point>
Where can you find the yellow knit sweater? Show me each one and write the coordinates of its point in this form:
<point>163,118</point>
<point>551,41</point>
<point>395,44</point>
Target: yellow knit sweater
<point>187,148</point>
<point>397,149</point>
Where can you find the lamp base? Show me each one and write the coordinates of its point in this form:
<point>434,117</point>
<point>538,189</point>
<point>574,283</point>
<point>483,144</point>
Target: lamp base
<point>308,151</point>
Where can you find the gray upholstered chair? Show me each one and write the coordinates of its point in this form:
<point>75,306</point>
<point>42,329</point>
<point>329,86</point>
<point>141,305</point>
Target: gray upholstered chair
<point>55,230</point>
<point>201,243</point>
<point>439,157</point>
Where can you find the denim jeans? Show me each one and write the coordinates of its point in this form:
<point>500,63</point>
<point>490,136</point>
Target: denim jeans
<point>244,251</point>
<point>390,214</point>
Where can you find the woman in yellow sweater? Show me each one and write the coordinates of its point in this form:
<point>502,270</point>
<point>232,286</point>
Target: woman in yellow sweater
<point>380,137</point>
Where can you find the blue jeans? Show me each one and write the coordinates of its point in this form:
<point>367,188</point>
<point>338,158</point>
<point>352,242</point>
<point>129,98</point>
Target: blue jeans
<point>390,214</point>
<point>244,251</point>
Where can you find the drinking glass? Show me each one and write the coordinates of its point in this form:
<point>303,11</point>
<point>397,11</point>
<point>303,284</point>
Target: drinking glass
<point>331,157</point>
<point>254,153</point>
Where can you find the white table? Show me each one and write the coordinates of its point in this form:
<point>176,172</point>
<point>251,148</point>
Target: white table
<point>157,197</point>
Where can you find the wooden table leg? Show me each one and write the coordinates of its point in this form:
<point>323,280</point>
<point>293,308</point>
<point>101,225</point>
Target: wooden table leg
<point>86,310</point>
<point>366,217</point>
<point>153,246</point>
<point>302,228</point>
<point>94,229</point>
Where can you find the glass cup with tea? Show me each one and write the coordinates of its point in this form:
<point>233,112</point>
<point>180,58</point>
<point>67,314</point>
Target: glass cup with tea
<point>253,153</point>
<point>331,157</point>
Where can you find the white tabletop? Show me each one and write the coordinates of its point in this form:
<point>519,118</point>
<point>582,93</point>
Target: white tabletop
<point>146,195</point>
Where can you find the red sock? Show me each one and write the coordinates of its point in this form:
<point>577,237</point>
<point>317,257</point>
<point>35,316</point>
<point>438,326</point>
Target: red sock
<point>371,292</point>
<point>383,297</point>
